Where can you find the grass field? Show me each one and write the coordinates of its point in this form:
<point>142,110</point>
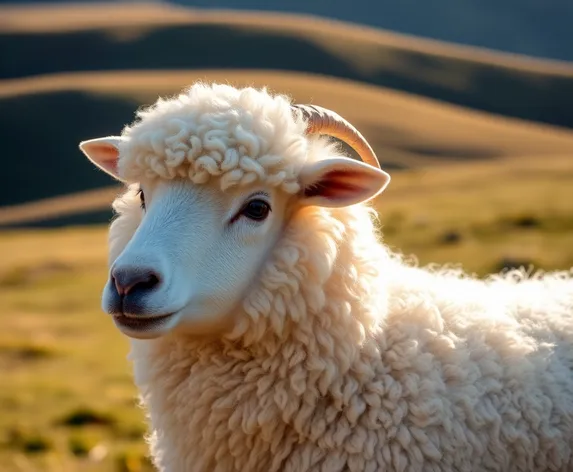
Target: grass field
<point>475,188</point>
<point>67,402</point>
<point>66,386</point>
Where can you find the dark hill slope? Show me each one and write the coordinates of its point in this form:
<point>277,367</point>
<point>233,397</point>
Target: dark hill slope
<point>530,27</point>
<point>44,118</point>
<point>110,38</point>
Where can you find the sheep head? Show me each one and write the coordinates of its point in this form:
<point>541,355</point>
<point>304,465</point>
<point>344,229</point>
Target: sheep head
<point>214,177</point>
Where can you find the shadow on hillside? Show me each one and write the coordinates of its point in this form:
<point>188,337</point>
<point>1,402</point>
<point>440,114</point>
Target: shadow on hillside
<point>453,153</point>
<point>493,88</point>
<point>386,139</point>
<point>40,136</point>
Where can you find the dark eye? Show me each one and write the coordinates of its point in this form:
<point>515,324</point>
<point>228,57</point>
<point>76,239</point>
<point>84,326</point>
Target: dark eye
<point>141,198</point>
<point>256,210</point>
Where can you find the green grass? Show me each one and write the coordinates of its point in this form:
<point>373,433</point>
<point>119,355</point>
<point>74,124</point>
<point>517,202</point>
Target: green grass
<point>67,401</point>
<point>484,216</point>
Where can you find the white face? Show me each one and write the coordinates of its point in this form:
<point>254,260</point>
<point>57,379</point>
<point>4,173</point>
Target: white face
<point>197,250</point>
<point>193,256</point>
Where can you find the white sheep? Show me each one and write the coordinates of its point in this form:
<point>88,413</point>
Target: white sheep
<point>271,330</point>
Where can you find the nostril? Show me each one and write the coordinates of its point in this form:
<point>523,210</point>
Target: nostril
<point>151,280</point>
<point>127,280</point>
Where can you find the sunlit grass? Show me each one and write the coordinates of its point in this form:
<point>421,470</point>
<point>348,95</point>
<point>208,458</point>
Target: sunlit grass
<point>67,401</point>
<point>484,216</point>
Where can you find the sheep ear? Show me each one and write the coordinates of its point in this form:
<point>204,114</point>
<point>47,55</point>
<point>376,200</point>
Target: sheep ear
<point>104,153</point>
<point>340,182</point>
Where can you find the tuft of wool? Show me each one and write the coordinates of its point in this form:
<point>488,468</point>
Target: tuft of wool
<point>237,135</point>
<point>344,357</point>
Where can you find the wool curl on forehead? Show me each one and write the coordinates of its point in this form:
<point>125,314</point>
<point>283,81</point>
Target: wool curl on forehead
<point>239,136</point>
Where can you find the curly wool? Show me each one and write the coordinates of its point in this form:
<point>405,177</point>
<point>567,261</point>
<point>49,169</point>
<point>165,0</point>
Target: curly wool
<point>238,136</point>
<point>346,358</point>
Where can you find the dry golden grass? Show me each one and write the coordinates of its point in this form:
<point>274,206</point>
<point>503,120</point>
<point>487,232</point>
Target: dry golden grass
<point>82,202</point>
<point>66,386</point>
<point>67,399</point>
<point>482,214</point>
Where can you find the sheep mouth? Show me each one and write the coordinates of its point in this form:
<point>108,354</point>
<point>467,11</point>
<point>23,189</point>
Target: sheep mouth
<point>139,324</point>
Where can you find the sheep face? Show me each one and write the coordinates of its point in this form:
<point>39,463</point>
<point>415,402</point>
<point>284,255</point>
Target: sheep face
<point>192,256</point>
<point>191,239</point>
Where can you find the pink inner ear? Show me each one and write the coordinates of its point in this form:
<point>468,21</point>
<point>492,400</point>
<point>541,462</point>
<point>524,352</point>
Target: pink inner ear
<point>337,184</point>
<point>107,155</point>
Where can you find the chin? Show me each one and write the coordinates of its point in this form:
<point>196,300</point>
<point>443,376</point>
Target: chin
<point>198,321</point>
<point>149,327</point>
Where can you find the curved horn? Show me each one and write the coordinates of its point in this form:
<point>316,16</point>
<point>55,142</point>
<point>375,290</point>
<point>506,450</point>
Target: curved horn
<point>324,121</point>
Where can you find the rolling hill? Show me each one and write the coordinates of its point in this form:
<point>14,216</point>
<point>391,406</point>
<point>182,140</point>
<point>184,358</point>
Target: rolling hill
<point>73,74</point>
<point>529,27</point>
<point>405,131</point>
<point>114,37</point>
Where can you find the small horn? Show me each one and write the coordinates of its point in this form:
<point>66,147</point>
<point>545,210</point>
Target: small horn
<point>323,121</point>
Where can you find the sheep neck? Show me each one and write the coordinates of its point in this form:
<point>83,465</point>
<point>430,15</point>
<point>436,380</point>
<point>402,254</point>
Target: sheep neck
<point>281,368</point>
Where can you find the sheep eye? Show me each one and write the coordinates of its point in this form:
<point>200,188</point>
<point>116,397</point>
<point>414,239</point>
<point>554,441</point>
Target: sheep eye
<point>141,198</point>
<point>256,210</point>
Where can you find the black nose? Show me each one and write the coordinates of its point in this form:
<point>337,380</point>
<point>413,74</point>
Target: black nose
<point>134,279</point>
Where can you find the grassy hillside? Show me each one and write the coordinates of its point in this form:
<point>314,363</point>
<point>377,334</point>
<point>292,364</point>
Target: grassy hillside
<point>100,37</point>
<point>69,74</point>
<point>406,132</point>
<point>469,186</point>
<point>67,402</point>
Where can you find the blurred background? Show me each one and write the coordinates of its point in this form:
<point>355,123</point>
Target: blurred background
<point>468,104</point>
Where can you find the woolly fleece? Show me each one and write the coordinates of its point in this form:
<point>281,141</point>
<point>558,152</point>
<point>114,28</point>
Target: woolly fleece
<point>344,357</point>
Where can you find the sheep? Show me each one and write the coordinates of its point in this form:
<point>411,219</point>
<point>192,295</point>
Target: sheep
<point>271,328</point>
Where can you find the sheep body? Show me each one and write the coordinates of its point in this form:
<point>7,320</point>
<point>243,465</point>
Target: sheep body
<point>344,357</point>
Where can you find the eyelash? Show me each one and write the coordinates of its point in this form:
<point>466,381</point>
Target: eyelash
<point>242,212</point>
<point>248,205</point>
<point>141,198</point>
